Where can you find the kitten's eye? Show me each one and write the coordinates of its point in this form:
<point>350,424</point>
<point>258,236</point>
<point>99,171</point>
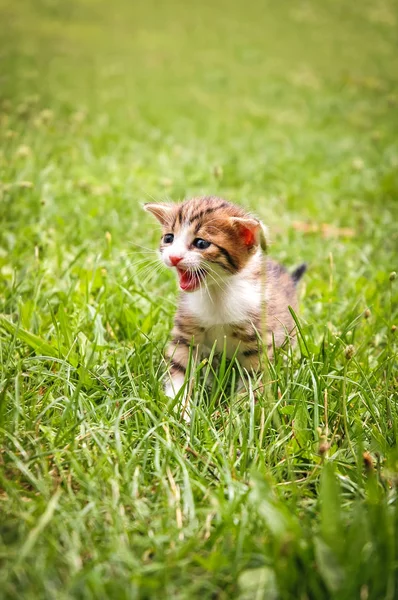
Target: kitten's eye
<point>168,238</point>
<point>200,244</point>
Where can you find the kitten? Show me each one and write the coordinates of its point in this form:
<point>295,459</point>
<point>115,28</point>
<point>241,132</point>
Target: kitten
<point>216,250</point>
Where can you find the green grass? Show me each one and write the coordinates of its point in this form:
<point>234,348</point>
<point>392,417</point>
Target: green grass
<point>289,109</point>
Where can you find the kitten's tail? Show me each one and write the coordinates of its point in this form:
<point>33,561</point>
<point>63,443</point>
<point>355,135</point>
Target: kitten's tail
<point>298,273</point>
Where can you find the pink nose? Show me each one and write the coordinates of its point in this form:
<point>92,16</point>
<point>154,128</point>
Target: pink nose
<point>175,260</point>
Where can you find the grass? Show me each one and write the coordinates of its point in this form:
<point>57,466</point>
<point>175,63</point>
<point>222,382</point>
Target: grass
<point>289,109</point>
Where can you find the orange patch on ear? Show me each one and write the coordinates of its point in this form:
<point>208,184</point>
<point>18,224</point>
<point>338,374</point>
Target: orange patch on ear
<point>248,230</point>
<point>247,236</point>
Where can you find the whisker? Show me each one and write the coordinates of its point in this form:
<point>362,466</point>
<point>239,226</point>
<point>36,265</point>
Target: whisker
<point>140,270</point>
<point>207,290</point>
<point>148,194</point>
<point>139,253</point>
<point>215,281</point>
<point>216,278</point>
<point>139,246</point>
<point>146,271</point>
<point>152,274</point>
<point>143,259</point>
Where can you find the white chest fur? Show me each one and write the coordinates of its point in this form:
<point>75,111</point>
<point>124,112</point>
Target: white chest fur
<point>216,309</point>
<point>234,300</point>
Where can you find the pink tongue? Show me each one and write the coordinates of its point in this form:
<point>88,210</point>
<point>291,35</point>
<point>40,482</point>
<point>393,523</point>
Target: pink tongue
<point>188,281</point>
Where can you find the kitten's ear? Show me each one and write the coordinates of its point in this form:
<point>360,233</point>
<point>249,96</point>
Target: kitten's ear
<point>252,232</point>
<point>160,210</point>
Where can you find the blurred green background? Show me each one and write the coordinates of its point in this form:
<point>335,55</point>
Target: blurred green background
<point>289,108</point>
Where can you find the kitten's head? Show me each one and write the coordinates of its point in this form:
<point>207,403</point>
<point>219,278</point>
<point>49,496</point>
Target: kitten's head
<point>206,239</point>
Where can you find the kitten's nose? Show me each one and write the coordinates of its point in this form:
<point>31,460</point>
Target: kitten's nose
<point>175,260</point>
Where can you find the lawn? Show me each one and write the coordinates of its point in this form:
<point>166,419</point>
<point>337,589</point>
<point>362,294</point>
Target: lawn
<point>291,110</point>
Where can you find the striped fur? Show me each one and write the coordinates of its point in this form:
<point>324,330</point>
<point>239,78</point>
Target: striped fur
<point>223,294</point>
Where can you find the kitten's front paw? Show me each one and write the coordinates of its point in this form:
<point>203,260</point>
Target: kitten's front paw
<point>171,390</point>
<point>173,384</point>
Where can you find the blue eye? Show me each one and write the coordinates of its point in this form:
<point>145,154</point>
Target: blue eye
<point>200,244</point>
<point>168,238</point>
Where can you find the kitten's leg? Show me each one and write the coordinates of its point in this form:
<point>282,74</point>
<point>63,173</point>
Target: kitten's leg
<point>249,345</point>
<point>249,358</point>
<point>252,361</point>
<point>174,384</point>
<point>178,354</point>
<point>252,354</point>
<point>187,338</point>
<point>248,353</point>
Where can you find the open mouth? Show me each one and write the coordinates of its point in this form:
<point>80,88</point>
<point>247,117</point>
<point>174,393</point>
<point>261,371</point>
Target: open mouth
<point>190,280</point>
